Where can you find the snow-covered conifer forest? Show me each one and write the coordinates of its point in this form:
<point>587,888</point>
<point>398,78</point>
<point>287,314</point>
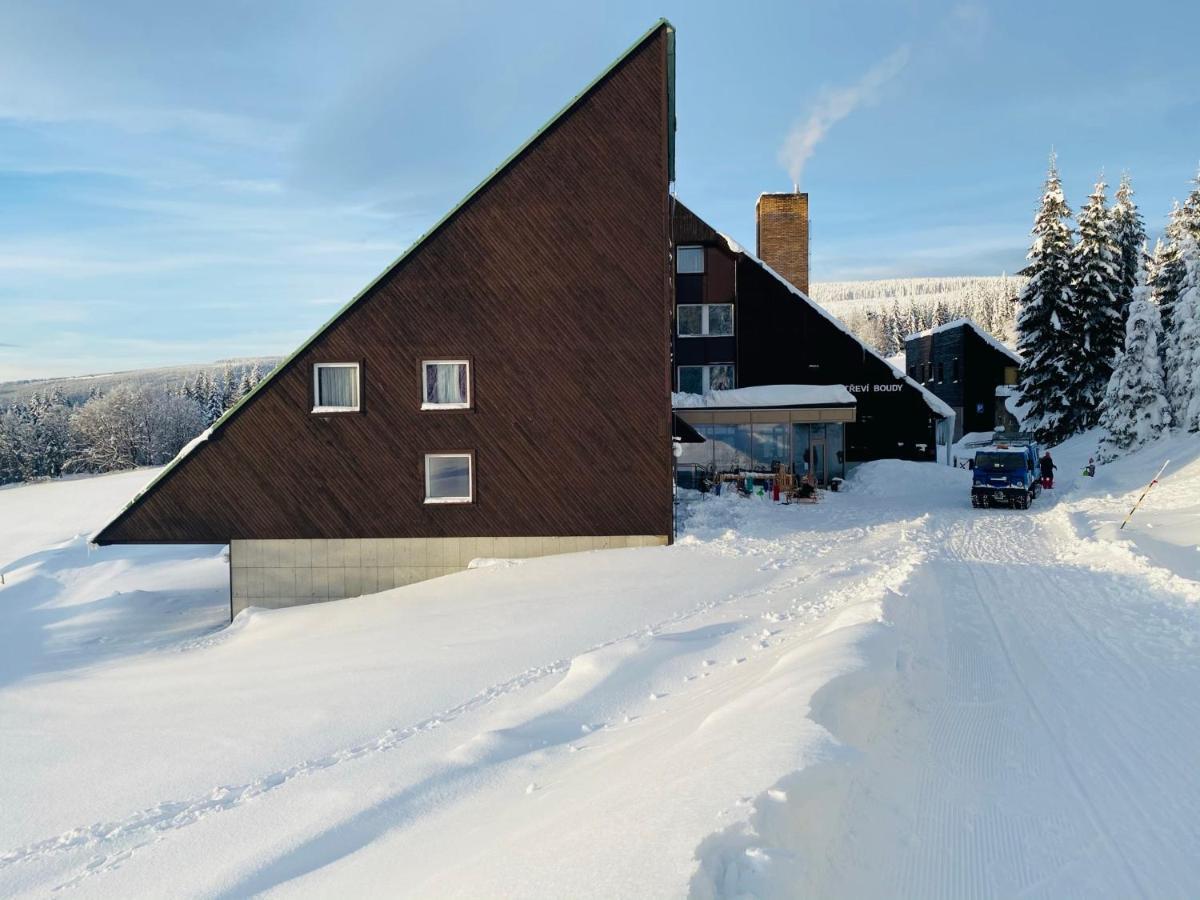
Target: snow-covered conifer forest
<point>108,423</point>
<point>1110,330</point>
<point>883,312</point>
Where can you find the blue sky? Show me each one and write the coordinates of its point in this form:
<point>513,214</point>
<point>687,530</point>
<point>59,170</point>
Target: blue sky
<point>186,182</point>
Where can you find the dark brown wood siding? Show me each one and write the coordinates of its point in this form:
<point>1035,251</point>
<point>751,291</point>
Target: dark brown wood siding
<point>554,281</point>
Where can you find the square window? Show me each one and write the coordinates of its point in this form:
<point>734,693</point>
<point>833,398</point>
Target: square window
<point>691,379</point>
<point>705,320</point>
<point>720,378</point>
<point>335,387</point>
<point>689,260</point>
<point>691,321</point>
<point>720,320</point>
<point>446,384</point>
<point>702,379</point>
<point>448,478</point>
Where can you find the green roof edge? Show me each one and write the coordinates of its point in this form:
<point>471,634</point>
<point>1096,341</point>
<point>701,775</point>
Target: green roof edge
<point>286,361</point>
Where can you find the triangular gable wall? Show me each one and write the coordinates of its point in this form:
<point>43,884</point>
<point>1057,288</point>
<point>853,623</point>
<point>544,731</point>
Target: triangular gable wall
<point>552,278</point>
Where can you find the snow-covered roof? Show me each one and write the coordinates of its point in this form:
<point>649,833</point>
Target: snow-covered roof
<point>933,401</point>
<point>767,396</point>
<point>990,339</point>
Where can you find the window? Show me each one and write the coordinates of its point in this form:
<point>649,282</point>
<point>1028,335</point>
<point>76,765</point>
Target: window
<point>954,368</point>
<point>335,387</point>
<point>705,320</point>
<point>446,384</point>
<point>448,478</point>
<point>941,370</point>
<point>702,379</point>
<point>689,260</point>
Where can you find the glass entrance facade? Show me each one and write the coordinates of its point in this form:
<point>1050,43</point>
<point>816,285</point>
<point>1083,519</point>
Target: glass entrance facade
<point>768,447</point>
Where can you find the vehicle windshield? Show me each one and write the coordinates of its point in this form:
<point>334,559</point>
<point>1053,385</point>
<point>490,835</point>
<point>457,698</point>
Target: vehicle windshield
<point>1000,462</point>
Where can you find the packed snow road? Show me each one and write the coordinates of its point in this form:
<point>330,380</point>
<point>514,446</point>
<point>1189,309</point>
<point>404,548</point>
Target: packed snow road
<point>887,694</point>
<point>1037,738</point>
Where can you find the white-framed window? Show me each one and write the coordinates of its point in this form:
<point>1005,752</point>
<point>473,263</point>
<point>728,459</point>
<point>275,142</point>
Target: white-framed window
<point>449,478</point>
<point>705,319</point>
<point>702,379</point>
<point>445,384</point>
<point>336,387</point>
<point>689,260</point>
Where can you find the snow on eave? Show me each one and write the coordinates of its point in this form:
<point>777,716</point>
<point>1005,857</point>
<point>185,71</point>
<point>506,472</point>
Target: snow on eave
<point>974,326</point>
<point>187,449</point>
<point>767,396</point>
<point>934,402</point>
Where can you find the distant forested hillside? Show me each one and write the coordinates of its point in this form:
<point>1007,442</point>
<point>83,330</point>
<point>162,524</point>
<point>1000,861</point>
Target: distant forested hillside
<point>883,312</point>
<point>103,423</point>
<point>78,388</point>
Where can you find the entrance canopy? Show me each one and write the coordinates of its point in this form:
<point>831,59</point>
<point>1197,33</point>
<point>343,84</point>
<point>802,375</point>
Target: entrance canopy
<point>777,403</point>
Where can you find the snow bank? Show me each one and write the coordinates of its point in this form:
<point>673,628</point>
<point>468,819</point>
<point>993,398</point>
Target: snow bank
<point>770,395</point>
<point>327,749</point>
<point>895,479</point>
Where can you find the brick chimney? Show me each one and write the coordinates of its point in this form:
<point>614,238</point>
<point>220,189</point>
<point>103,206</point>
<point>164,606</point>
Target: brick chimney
<point>782,235</point>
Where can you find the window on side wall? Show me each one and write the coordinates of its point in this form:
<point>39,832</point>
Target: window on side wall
<point>705,320</point>
<point>941,370</point>
<point>446,384</point>
<point>702,379</point>
<point>954,369</point>
<point>336,387</point>
<point>689,260</point>
<point>449,478</point>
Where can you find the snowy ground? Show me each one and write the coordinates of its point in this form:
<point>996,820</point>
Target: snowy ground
<point>886,694</point>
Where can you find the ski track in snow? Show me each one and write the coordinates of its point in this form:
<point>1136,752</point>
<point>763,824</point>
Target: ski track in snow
<point>113,843</point>
<point>1027,725</point>
<point>1036,737</point>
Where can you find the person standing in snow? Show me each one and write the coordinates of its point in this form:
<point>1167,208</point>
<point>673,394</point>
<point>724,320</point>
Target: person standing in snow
<point>1090,469</point>
<point>1048,467</point>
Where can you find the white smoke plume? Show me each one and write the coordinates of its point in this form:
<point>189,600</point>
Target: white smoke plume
<point>834,105</point>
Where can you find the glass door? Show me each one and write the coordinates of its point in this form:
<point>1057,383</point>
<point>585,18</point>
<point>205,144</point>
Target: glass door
<point>818,467</point>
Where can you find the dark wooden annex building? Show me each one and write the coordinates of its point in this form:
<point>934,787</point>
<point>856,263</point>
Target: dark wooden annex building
<point>463,403</point>
<point>967,368</point>
<point>740,323</point>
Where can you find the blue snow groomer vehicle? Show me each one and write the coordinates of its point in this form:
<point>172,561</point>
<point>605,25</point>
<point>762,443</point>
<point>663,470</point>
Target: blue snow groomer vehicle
<point>1006,473</point>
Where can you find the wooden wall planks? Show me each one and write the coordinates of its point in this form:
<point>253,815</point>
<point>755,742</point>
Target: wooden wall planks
<point>554,280</point>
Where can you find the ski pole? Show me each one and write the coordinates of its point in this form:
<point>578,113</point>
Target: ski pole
<point>1153,482</point>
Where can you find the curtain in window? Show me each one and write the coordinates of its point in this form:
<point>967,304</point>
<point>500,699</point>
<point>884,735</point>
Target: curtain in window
<point>337,386</point>
<point>445,383</point>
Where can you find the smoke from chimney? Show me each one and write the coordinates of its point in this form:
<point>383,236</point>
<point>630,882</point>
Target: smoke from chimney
<point>834,106</point>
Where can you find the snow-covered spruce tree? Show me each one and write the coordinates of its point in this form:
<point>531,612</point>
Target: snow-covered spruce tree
<point>1164,276</point>
<point>1135,408</point>
<point>1043,338</point>
<point>1183,354</point>
<point>1129,233</point>
<point>1095,318</point>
